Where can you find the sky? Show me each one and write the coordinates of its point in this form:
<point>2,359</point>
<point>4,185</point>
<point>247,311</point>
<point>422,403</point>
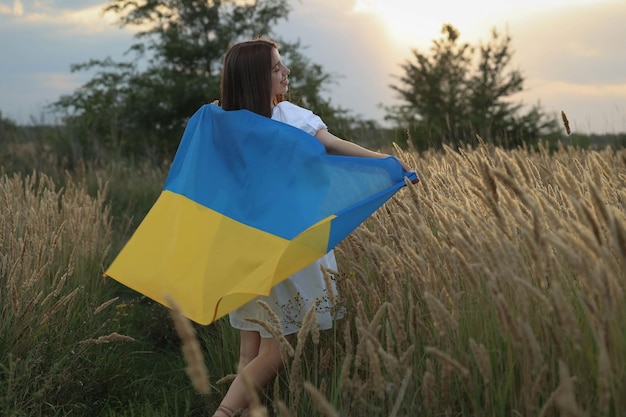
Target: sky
<point>572,53</point>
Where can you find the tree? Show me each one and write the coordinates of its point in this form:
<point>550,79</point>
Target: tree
<point>7,128</point>
<point>450,95</point>
<point>144,104</point>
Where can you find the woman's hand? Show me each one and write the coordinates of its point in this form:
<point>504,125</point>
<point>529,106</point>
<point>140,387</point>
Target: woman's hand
<point>408,169</point>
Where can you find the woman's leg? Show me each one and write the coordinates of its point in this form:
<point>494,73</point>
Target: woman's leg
<point>249,342</point>
<point>258,371</point>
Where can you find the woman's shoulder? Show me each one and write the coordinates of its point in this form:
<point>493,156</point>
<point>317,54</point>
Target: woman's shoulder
<point>290,108</point>
<point>297,116</point>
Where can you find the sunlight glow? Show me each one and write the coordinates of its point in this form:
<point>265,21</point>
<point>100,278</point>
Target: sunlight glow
<point>90,17</point>
<point>411,23</point>
<point>18,8</point>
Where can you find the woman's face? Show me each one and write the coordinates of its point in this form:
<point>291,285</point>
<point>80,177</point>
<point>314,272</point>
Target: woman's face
<point>280,80</point>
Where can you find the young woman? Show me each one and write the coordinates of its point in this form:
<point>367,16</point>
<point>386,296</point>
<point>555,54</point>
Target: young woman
<point>254,78</point>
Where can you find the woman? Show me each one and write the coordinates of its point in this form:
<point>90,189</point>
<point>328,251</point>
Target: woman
<point>254,78</point>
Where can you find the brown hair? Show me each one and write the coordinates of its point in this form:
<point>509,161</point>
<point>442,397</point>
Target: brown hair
<point>246,77</point>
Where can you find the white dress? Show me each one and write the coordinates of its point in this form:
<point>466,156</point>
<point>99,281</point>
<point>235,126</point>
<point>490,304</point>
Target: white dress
<point>291,299</point>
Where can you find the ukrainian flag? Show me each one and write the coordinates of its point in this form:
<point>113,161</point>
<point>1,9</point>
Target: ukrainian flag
<point>248,202</point>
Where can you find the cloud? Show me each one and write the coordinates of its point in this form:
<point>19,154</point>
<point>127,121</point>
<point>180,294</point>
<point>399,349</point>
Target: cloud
<point>17,9</point>
<point>25,95</point>
<point>608,91</point>
<point>56,81</point>
<point>84,17</point>
<point>39,47</point>
<point>576,45</point>
<point>590,107</point>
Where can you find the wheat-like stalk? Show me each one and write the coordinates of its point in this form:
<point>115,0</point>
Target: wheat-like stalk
<point>482,359</point>
<point>295,372</point>
<point>105,305</point>
<point>110,338</point>
<point>320,401</point>
<point>448,360</point>
<point>196,369</point>
<point>429,387</point>
<point>565,122</point>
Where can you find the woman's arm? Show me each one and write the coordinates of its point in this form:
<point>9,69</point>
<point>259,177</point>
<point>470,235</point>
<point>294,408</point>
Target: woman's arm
<point>338,146</point>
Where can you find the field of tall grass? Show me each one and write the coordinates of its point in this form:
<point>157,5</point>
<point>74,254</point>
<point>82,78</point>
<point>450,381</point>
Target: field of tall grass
<point>495,287</point>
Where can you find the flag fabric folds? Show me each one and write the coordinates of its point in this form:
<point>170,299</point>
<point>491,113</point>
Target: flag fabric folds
<point>248,202</point>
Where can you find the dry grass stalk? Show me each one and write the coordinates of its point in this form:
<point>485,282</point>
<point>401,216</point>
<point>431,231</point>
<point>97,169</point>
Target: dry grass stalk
<point>347,339</point>
<point>320,401</point>
<point>66,300</point>
<point>507,322</point>
<point>599,204</point>
<point>447,359</point>
<point>105,305</point>
<point>274,320</point>
<point>565,398</point>
<point>15,299</point>
<point>390,362</point>
<point>401,392</point>
<point>361,347</point>
<point>565,122</point>
<point>604,373</point>
<point>566,317</point>
<point>275,329</point>
<point>490,182</point>
<point>396,318</point>
<point>510,182</point>
<point>328,278</point>
<point>534,393</point>
<point>429,387</point>
<point>255,408</point>
<point>58,288</point>
<point>196,369</point>
<point>375,324</point>
<point>482,359</point>
<point>283,410</point>
<point>227,379</point>
<point>590,219</point>
<point>407,356</point>
<point>619,234</point>
<point>535,293</point>
<point>568,181</point>
<point>110,338</point>
<point>344,381</point>
<point>325,361</point>
<point>442,318</point>
<point>295,371</point>
<point>286,350</point>
<point>531,345</point>
<point>376,381</point>
<point>390,347</point>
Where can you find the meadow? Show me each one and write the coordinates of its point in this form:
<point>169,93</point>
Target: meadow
<point>495,287</point>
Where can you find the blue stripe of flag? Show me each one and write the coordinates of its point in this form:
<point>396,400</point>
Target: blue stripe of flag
<point>274,177</point>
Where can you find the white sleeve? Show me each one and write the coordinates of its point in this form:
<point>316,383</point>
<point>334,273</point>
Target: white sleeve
<point>299,117</point>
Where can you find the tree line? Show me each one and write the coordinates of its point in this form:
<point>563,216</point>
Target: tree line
<point>448,94</point>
